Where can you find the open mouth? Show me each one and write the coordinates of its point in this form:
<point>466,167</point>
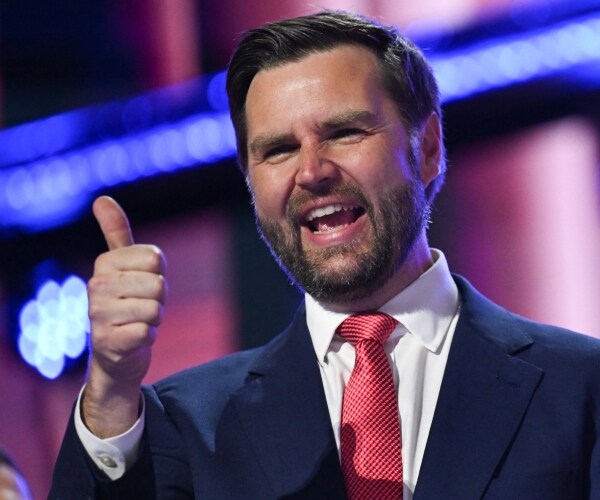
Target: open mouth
<point>332,218</point>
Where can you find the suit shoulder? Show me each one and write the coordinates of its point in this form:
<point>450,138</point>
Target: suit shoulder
<point>564,346</point>
<point>198,394</point>
<point>209,385</point>
<point>220,374</point>
<point>516,333</point>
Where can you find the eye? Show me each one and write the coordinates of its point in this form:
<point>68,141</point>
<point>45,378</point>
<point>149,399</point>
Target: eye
<point>347,133</point>
<point>279,151</point>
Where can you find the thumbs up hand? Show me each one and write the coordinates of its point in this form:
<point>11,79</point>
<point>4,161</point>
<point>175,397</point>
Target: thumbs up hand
<point>126,297</point>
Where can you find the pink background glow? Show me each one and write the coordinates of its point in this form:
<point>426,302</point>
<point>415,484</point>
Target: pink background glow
<point>519,217</point>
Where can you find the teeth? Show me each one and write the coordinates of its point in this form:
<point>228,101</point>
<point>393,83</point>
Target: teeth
<point>332,229</point>
<point>328,210</point>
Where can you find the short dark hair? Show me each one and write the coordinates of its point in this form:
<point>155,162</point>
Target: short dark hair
<point>406,74</point>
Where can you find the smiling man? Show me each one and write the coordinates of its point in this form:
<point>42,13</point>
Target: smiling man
<point>339,194</point>
<point>395,379</point>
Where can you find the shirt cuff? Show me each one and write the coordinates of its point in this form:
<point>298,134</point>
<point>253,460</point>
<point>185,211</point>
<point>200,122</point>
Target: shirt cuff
<point>112,455</point>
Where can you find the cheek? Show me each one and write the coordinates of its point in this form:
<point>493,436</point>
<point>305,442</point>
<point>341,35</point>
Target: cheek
<point>396,168</point>
<point>376,171</point>
<point>377,164</point>
<point>269,195</point>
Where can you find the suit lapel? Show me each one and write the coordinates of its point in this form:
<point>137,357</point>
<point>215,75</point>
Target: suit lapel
<point>483,398</point>
<point>283,411</point>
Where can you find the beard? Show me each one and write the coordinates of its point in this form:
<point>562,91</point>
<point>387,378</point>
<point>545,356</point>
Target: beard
<point>354,270</point>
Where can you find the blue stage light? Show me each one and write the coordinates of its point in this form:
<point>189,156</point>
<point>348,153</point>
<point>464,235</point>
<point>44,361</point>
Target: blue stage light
<point>216,94</point>
<point>73,178</point>
<point>53,167</point>
<point>40,138</point>
<point>137,114</point>
<point>54,326</point>
<point>505,61</point>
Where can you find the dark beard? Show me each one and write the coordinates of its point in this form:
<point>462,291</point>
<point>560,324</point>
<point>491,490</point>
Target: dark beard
<point>396,227</point>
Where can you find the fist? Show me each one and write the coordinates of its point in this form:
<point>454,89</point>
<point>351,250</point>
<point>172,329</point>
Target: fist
<point>126,294</point>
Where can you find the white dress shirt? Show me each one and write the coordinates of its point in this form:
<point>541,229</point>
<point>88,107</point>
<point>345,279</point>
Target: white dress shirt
<point>112,455</point>
<point>426,311</point>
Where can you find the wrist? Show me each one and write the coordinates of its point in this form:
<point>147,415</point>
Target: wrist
<point>109,407</point>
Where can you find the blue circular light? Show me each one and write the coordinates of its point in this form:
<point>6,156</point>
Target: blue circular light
<point>216,94</point>
<point>54,325</point>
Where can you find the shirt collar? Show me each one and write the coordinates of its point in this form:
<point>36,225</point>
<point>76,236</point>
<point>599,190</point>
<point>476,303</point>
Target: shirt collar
<point>425,308</point>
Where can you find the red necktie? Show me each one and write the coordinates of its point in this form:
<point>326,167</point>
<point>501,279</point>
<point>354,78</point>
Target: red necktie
<point>371,442</point>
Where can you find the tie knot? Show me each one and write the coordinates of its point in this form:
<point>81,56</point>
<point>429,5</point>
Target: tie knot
<point>375,326</point>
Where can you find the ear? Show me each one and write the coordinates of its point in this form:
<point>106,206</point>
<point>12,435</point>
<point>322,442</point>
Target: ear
<point>431,149</point>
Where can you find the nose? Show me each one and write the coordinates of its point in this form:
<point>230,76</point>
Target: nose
<point>314,169</point>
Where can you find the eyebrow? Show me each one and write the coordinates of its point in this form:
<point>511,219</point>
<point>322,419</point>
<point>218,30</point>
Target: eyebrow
<point>268,141</point>
<point>352,116</point>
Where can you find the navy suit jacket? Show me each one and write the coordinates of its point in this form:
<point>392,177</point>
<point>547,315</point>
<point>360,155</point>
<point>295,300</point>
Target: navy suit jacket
<point>518,417</point>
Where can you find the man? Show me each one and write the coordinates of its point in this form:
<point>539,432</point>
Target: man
<point>338,129</point>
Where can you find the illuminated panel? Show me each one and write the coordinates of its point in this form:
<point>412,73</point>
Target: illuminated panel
<point>52,168</point>
<point>71,130</point>
<point>48,192</point>
<point>54,326</point>
<point>499,63</point>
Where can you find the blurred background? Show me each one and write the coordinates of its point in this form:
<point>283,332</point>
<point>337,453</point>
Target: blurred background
<point>125,97</point>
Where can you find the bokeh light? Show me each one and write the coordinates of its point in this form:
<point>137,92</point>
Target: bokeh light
<point>54,326</point>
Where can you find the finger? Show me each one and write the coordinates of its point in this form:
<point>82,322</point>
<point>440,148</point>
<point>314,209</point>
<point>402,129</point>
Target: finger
<point>113,222</point>
<point>125,311</point>
<point>128,338</point>
<point>148,258</point>
<point>130,284</point>
<point>136,335</point>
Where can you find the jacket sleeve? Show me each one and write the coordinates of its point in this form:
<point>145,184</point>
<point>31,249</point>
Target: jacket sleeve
<point>161,471</point>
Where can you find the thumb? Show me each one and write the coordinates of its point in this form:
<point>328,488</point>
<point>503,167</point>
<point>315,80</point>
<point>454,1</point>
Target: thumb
<point>113,222</point>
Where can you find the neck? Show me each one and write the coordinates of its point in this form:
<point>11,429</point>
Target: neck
<point>415,265</point>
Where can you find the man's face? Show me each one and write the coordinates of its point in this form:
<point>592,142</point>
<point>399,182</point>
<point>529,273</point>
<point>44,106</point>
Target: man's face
<point>335,193</point>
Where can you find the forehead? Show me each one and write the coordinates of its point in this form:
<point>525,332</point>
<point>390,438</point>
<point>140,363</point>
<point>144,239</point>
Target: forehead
<point>321,82</point>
